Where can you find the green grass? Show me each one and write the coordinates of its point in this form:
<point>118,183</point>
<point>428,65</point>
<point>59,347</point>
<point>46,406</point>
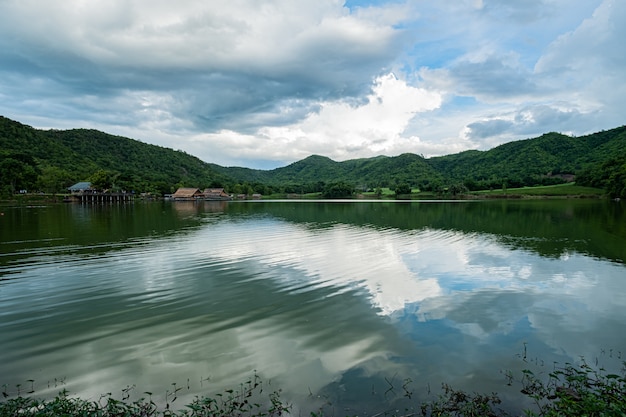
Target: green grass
<point>387,193</point>
<point>559,190</point>
<point>569,189</point>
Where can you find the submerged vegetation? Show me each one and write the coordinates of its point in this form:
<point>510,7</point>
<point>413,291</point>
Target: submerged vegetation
<point>568,390</point>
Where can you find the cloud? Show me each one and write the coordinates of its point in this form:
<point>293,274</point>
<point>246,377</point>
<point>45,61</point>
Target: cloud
<point>526,121</point>
<point>588,65</point>
<point>216,61</point>
<point>341,129</point>
<point>522,11</point>
<point>487,78</point>
<point>248,83</point>
<point>595,44</point>
<point>572,87</point>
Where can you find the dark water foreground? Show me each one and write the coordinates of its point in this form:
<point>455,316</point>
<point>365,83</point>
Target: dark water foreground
<point>348,304</point>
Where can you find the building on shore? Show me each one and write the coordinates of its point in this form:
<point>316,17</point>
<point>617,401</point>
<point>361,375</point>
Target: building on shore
<point>190,194</point>
<point>186,194</point>
<point>83,192</point>
<point>216,194</point>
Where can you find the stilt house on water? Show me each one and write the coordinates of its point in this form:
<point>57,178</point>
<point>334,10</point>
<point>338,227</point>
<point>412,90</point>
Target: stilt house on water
<point>82,192</point>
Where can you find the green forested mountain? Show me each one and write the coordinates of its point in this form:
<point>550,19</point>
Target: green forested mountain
<point>532,161</point>
<point>54,159</point>
<point>597,160</point>
<point>51,160</point>
<point>313,173</point>
<point>366,171</point>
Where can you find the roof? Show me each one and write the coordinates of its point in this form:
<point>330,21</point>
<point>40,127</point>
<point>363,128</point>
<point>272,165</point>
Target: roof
<point>214,191</point>
<point>186,193</point>
<point>80,186</point>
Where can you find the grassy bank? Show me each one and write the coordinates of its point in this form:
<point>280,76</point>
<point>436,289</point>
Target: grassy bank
<point>568,190</point>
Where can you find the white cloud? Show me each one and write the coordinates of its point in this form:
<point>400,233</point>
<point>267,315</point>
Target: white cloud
<point>340,129</point>
<point>588,64</point>
<point>574,86</point>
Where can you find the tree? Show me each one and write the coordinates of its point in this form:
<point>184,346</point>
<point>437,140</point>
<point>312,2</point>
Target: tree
<point>402,188</point>
<point>337,190</point>
<point>457,189</point>
<point>610,175</point>
<point>616,183</point>
<point>102,180</point>
<point>54,179</point>
<point>16,175</point>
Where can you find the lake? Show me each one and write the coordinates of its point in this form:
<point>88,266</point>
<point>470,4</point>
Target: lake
<point>348,305</point>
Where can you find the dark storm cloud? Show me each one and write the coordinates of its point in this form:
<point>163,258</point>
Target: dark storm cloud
<point>202,79</point>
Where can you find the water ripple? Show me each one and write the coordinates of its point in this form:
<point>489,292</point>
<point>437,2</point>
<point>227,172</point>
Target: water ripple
<point>293,298</point>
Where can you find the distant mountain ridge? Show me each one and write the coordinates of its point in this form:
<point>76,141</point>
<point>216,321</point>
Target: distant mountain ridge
<point>525,162</point>
<point>51,158</point>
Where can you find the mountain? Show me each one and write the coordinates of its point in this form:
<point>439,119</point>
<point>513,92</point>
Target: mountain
<point>532,161</point>
<point>54,159</point>
<point>51,160</point>
<point>549,159</point>
<point>311,173</point>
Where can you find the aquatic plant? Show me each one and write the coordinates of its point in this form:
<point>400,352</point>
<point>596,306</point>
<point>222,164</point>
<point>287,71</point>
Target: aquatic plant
<point>568,390</point>
<point>247,400</point>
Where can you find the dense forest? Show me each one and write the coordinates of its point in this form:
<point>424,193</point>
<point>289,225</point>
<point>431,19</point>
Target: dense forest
<point>51,160</point>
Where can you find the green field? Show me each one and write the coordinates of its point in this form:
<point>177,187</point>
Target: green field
<point>569,189</point>
<point>559,190</point>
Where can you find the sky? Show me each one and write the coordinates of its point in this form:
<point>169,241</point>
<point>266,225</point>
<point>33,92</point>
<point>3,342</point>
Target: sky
<point>262,84</point>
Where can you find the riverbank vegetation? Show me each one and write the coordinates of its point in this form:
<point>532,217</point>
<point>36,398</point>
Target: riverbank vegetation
<point>38,161</point>
<point>568,390</point>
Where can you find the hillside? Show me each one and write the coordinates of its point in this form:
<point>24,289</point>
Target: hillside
<point>53,159</point>
<point>531,161</point>
<point>549,159</point>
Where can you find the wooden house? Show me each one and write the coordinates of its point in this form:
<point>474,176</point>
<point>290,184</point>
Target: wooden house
<point>187,194</point>
<point>216,194</point>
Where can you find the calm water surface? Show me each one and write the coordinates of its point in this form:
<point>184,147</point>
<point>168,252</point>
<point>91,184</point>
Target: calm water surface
<point>338,303</point>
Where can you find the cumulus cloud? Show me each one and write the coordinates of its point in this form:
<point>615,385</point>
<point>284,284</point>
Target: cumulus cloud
<point>166,46</point>
<point>571,87</point>
<point>344,129</point>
